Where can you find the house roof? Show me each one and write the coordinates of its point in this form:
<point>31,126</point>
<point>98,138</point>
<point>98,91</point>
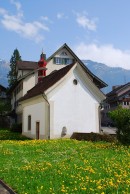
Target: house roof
<point>24,65</point>
<point>2,88</point>
<point>27,65</point>
<point>117,89</point>
<point>98,82</point>
<point>47,82</point>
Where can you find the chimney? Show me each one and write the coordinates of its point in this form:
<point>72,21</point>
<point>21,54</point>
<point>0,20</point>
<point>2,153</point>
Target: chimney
<point>42,67</point>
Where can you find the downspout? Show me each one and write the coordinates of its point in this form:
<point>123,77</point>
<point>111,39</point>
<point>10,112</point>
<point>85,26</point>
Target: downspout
<point>100,108</point>
<point>45,98</point>
<point>99,115</point>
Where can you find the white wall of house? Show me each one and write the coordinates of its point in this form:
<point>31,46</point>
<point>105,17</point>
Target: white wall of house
<point>21,89</point>
<point>22,73</point>
<point>38,110</point>
<point>16,94</point>
<point>51,66</point>
<point>28,83</point>
<point>73,107</point>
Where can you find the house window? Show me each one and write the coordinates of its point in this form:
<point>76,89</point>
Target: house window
<point>126,103</point>
<point>29,122</point>
<point>63,53</point>
<point>62,61</point>
<point>57,60</point>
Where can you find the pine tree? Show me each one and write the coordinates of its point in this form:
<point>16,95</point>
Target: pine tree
<point>12,76</point>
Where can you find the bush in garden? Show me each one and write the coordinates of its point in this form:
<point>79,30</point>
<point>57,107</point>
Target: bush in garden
<point>94,137</point>
<point>121,118</point>
<point>17,127</point>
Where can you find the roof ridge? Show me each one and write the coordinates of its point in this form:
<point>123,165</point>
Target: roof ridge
<point>118,88</point>
<point>28,61</point>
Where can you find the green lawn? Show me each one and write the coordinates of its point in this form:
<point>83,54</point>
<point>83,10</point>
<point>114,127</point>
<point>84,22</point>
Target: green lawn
<point>65,166</point>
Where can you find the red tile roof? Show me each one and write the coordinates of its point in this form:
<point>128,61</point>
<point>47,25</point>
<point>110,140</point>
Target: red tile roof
<point>47,82</point>
<point>27,65</point>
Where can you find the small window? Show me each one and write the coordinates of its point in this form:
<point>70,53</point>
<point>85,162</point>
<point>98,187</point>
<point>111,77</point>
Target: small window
<point>62,61</point>
<point>63,53</point>
<point>57,60</point>
<point>29,122</point>
<point>124,103</point>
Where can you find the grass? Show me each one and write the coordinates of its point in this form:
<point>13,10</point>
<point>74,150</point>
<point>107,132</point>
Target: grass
<point>65,166</point>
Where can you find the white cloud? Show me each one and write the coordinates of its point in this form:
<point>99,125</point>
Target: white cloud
<point>46,19</point>
<point>106,54</point>
<point>29,30</point>
<point>17,4</point>
<point>61,16</point>
<point>2,11</point>
<point>18,7</point>
<point>85,22</point>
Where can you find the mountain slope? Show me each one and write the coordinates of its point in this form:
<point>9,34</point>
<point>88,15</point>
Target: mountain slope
<point>4,69</point>
<point>111,75</point>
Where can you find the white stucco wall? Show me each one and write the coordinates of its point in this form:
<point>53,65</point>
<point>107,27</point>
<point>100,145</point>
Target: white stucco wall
<point>16,95</point>
<point>37,110</point>
<point>75,108</point>
<point>22,73</point>
<point>28,83</point>
<point>51,66</point>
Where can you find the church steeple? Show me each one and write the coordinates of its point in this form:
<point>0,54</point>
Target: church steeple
<point>42,66</point>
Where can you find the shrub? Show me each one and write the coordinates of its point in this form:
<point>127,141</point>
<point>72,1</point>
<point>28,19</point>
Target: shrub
<point>6,134</point>
<point>93,137</point>
<point>121,118</point>
<point>17,127</point>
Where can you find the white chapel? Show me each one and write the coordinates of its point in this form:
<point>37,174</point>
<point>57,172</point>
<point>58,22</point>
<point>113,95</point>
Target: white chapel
<point>56,97</point>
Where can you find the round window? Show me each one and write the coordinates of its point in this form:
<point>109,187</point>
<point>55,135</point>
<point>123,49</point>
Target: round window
<point>75,82</point>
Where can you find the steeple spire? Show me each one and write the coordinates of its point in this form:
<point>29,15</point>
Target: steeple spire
<point>42,66</point>
<point>43,56</point>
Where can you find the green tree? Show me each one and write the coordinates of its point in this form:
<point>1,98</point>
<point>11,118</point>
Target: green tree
<point>121,118</point>
<point>4,107</point>
<point>12,76</point>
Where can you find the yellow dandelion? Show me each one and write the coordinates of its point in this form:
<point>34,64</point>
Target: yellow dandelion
<point>99,187</point>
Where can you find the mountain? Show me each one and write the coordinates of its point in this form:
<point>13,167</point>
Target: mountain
<point>110,75</point>
<point>4,69</point>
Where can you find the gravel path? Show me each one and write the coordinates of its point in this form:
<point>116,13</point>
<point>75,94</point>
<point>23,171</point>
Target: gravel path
<point>4,189</point>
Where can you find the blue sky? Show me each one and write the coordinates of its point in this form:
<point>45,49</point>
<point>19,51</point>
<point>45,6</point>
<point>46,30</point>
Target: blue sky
<point>94,29</point>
